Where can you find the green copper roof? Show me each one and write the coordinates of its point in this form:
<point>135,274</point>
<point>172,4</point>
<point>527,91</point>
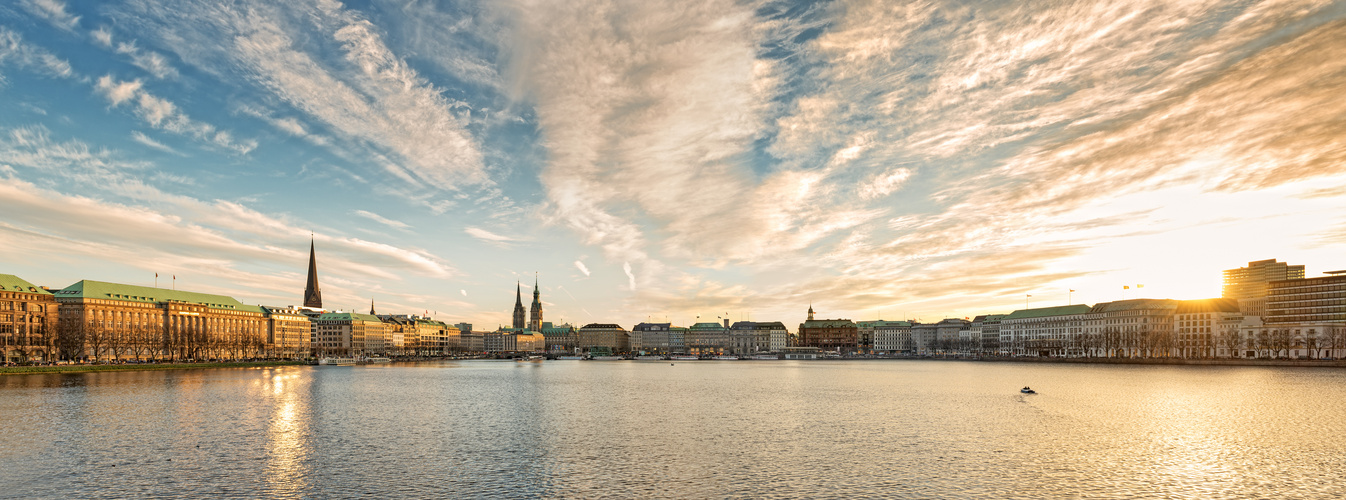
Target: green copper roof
<point>89,289</point>
<point>828,323</point>
<point>1134,304</point>
<point>708,326</point>
<point>12,283</point>
<point>1043,312</point>
<point>879,323</point>
<point>348,317</point>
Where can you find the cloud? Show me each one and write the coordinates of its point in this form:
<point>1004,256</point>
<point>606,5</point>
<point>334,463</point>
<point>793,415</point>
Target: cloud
<point>370,96</point>
<point>164,115</point>
<point>884,184</point>
<point>382,220</point>
<point>52,11</point>
<point>583,268</point>
<point>631,277</point>
<point>464,292</point>
<point>140,137</point>
<point>152,62</point>
<point>488,236</point>
<point>14,50</point>
<point>102,36</point>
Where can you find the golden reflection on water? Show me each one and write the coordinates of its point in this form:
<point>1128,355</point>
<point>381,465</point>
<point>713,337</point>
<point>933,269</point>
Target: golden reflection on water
<point>287,446</point>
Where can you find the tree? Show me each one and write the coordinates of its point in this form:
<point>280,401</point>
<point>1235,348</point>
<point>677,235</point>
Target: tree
<point>1331,340</point>
<point>1263,343</point>
<point>96,340</point>
<point>1230,340</point>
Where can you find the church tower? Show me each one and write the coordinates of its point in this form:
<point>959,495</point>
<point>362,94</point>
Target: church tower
<point>810,312</point>
<point>518,306</point>
<point>312,296</point>
<point>535,310</point>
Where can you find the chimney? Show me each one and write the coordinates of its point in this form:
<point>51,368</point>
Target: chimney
<point>726,322</point>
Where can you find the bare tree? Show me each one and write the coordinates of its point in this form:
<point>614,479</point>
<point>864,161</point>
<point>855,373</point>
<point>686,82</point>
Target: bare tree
<point>96,338</point>
<point>1230,340</point>
<point>1331,340</point>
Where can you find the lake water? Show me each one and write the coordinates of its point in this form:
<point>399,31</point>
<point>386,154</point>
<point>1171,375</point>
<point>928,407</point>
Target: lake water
<point>913,429</point>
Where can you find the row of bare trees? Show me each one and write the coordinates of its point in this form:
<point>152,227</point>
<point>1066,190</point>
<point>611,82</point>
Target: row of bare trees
<point>1158,343</point>
<point>98,342</point>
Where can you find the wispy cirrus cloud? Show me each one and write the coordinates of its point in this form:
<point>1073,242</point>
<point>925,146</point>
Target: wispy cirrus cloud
<point>381,219</point>
<point>370,97</point>
<point>488,236</point>
<point>162,114</point>
<point>140,137</point>
<point>52,11</point>
<point>14,51</point>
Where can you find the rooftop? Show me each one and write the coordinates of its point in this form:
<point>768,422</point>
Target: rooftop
<point>12,283</point>
<point>1042,312</point>
<point>90,289</point>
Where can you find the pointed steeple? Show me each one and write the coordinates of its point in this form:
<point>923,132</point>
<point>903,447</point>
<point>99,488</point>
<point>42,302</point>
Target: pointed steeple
<point>518,306</point>
<point>371,307</point>
<point>312,296</point>
<point>535,310</point>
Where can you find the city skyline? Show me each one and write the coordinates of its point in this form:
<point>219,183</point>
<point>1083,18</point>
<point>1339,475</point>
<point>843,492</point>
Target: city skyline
<point>741,159</point>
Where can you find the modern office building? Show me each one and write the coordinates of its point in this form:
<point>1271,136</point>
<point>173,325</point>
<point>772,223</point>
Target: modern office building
<point>1307,300</point>
<point>1251,282</point>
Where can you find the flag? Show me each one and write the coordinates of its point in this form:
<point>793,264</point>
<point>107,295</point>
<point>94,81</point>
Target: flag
<point>156,275</point>
<point>1028,295</point>
<point>1124,287</point>
<point>1140,286</point>
<point>1072,290</point>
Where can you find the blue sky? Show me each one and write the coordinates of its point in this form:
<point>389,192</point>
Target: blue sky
<point>672,159</point>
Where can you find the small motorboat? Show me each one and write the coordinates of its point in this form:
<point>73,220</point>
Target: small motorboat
<point>1027,390</point>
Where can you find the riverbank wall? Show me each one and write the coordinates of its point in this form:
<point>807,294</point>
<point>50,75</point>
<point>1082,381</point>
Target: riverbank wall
<point>37,370</point>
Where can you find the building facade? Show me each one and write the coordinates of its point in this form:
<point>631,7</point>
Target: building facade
<point>891,337</point>
<point>604,336</point>
<point>111,321</point>
<point>346,334</point>
<point>707,338</point>
<point>29,316</point>
<point>650,338</point>
<point>840,335</point>
<point>289,332</point>
<point>560,338</point>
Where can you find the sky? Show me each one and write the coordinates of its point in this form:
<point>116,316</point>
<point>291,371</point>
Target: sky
<point>673,160</point>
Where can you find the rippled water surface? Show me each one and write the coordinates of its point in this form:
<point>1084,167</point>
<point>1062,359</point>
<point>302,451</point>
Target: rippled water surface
<point>694,429</point>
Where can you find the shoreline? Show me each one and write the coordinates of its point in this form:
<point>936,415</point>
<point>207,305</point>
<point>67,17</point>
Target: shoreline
<point>62,369</point>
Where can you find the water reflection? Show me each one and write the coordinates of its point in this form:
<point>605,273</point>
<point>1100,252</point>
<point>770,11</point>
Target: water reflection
<point>288,446</point>
<point>714,429</point>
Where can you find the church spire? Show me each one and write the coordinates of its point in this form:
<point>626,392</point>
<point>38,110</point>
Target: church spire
<point>312,296</point>
<point>371,307</point>
<point>518,306</point>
